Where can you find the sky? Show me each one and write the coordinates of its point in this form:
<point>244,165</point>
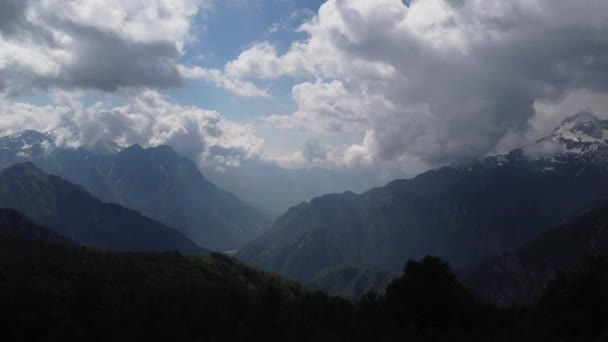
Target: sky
<point>398,86</point>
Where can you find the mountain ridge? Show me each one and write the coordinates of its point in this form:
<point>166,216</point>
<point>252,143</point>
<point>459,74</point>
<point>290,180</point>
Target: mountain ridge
<point>464,213</point>
<point>71,211</point>
<point>15,225</point>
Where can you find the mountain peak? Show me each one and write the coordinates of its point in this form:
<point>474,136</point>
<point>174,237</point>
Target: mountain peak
<point>28,134</point>
<point>22,167</point>
<point>578,134</point>
<point>105,146</point>
<point>25,143</point>
<point>583,127</point>
<point>581,117</point>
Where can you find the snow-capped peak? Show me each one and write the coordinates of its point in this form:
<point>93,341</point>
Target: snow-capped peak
<point>583,127</point>
<point>580,133</point>
<point>23,140</point>
<point>577,134</point>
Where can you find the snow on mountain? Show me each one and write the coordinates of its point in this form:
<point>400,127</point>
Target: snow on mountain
<point>26,144</point>
<point>582,134</point>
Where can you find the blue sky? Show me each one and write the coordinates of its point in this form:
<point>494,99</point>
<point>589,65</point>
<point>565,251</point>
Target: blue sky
<point>223,33</point>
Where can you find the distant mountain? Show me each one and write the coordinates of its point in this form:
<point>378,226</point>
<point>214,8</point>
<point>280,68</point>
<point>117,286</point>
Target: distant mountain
<point>522,276</point>
<point>463,213</point>
<point>16,225</point>
<point>158,182</point>
<point>274,189</point>
<point>70,211</point>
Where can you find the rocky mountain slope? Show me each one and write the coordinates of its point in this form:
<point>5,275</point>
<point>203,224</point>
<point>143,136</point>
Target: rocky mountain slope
<point>463,213</point>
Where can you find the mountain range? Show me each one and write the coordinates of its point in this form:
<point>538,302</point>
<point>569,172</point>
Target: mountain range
<point>158,182</point>
<point>465,213</point>
<point>498,220</point>
<point>72,212</point>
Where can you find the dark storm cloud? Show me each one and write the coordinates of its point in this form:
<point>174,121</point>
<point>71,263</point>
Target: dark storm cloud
<point>105,61</point>
<point>12,15</point>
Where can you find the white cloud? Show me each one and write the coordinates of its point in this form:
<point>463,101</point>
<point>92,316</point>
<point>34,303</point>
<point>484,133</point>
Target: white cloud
<point>93,44</point>
<point>234,85</point>
<point>440,81</point>
<point>147,119</point>
<point>328,107</point>
<point>144,21</point>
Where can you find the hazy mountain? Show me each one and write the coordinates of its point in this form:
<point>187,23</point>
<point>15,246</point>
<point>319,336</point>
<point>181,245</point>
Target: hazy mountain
<point>72,212</point>
<point>275,189</point>
<point>523,275</point>
<point>156,181</point>
<point>16,225</point>
<point>465,213</point>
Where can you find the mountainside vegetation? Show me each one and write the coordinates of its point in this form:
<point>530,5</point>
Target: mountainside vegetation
<point>350,281</point>
<point>55,293</point>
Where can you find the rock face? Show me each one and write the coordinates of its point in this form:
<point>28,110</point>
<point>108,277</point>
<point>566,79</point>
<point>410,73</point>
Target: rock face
<point>158,182</point>
<point>463,213</point>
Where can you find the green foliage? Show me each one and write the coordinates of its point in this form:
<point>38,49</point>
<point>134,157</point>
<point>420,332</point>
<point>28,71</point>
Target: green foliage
<point>55,293</point>
<point>350,281</point>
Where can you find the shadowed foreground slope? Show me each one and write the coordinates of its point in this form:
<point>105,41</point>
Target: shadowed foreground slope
<point>52,293</point>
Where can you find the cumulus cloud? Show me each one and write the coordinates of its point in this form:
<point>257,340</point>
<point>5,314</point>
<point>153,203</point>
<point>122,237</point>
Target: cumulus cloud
<point>234,85</point>
<point>313,150</point>
<point>328,107</point>
<point>147,119</point>
<point>92,44</point>
<point>313,154</point>
<point>437,81</point>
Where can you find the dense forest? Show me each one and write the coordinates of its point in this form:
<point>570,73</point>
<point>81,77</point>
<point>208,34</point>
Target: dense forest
<point>55,292</point>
